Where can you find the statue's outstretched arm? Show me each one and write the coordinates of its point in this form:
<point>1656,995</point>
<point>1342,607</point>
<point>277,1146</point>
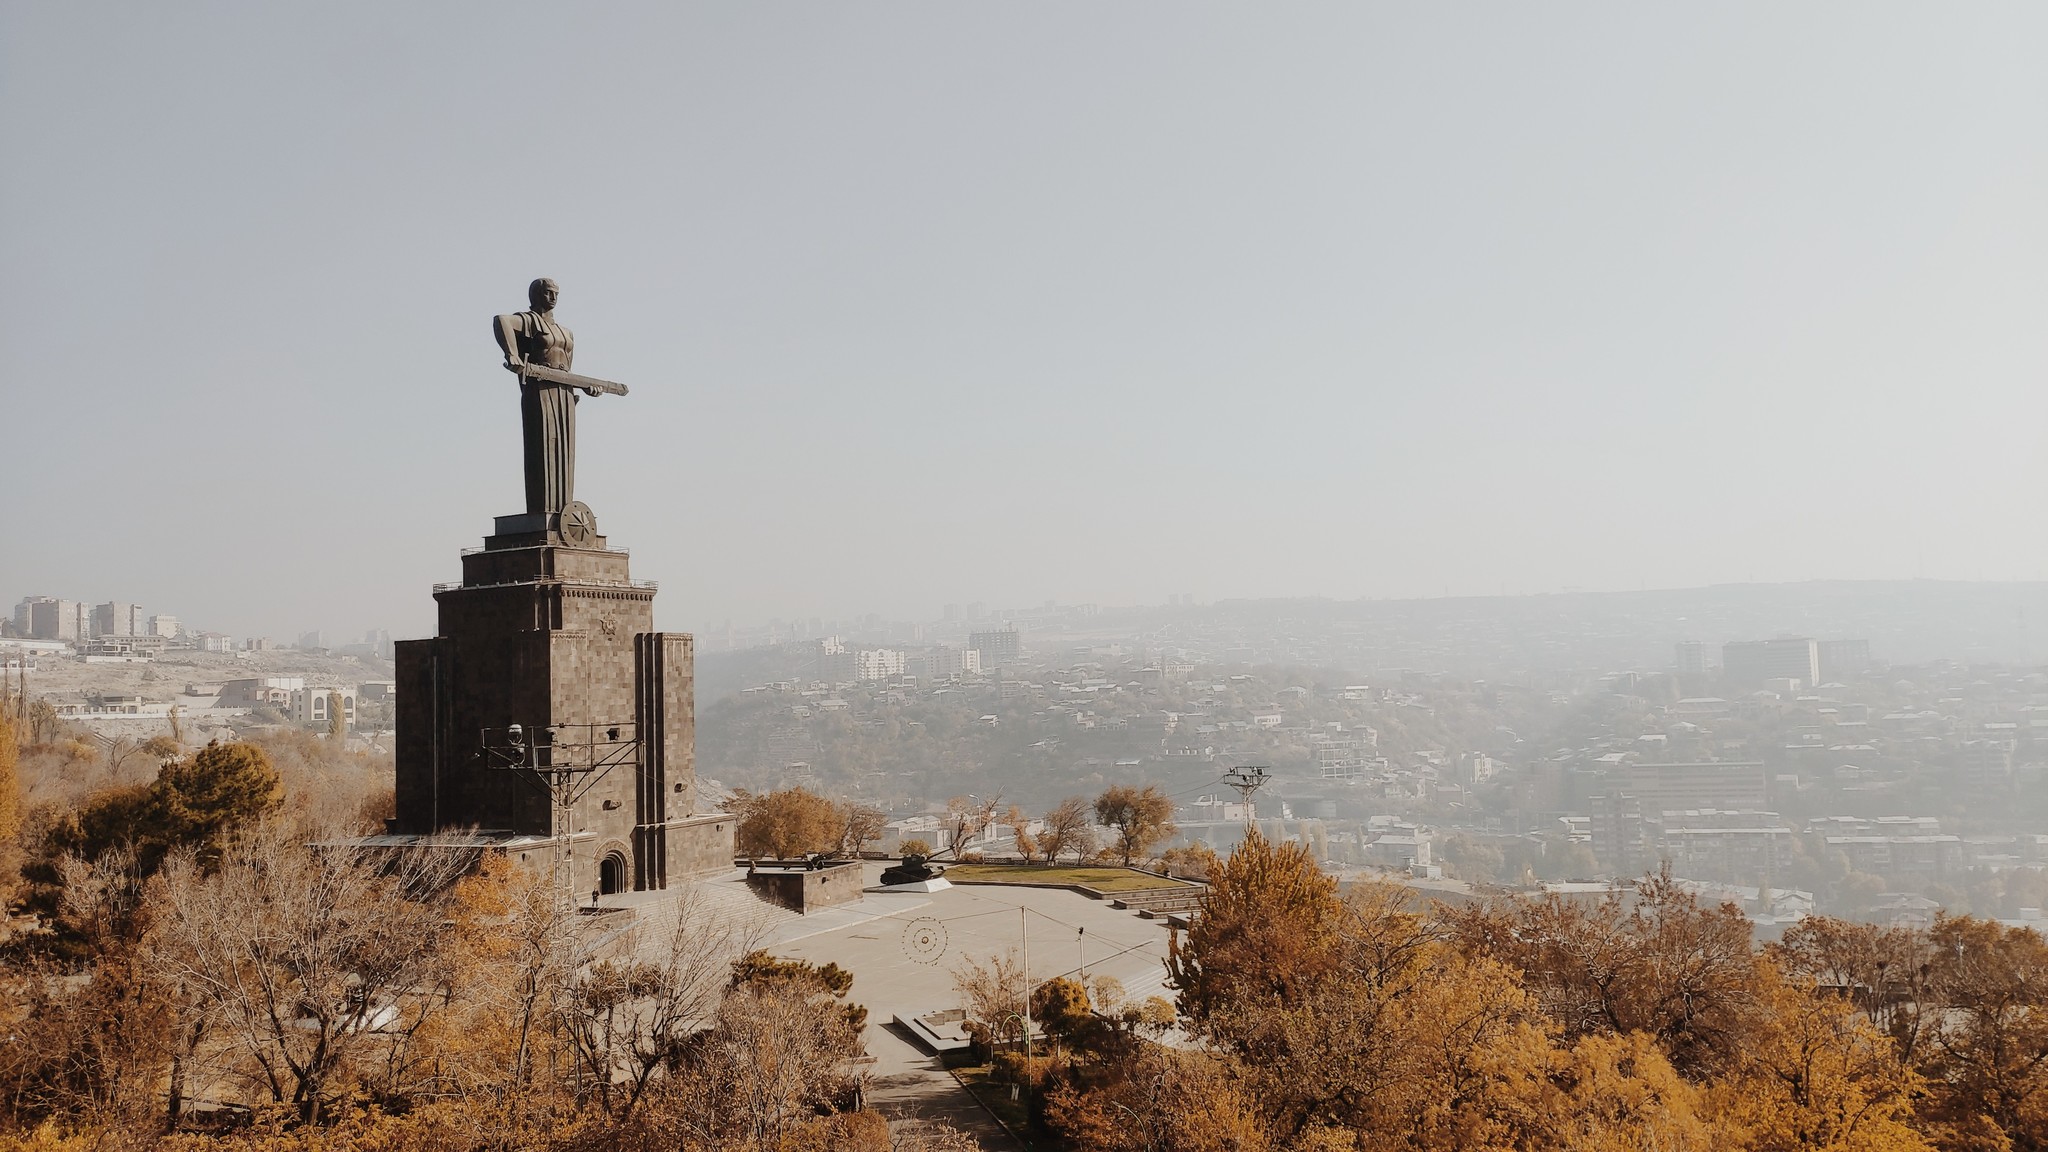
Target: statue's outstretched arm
<point>506,329</point>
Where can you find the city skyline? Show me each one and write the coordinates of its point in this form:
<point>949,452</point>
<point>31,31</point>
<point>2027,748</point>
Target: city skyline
<point>1912,622</point>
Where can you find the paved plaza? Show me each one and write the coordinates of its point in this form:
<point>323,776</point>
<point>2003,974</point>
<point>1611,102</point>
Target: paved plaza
<point>902,948</point>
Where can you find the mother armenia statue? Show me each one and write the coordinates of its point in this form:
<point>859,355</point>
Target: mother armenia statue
<point>540,351</point>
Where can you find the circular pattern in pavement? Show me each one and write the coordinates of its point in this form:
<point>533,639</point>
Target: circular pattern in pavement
<point>924,940</point>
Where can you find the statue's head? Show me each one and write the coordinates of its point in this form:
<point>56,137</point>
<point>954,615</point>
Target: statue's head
<point>542,294</point>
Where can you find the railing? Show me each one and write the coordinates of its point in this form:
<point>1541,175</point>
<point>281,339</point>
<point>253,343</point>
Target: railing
<point>645,585</point>
<point>474,551</point>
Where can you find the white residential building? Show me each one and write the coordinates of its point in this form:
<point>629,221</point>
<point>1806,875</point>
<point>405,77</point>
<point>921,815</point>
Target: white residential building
<point>311,704</point>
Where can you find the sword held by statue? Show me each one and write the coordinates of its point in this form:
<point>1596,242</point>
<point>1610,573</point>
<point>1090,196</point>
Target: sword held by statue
<point>548,375</point>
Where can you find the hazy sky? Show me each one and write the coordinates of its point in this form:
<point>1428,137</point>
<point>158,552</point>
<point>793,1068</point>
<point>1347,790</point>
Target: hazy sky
<point>955,302</point>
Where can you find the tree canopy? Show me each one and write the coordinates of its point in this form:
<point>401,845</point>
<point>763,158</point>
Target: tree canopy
<point>1142,818</point>
<point>786,824</point>
<point>197,801</point>
<point>1364,1021</point>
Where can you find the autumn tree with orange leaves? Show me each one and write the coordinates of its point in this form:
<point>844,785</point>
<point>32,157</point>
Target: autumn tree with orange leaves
<point>1368,1022</point>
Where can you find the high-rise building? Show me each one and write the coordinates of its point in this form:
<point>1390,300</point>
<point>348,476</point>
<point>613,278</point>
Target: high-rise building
<point>1619,840</point>
<point>943,662</point>
<point>53,619</point>
<point>117,619</point>
<point>165,626</point>
<point>1692,657</point>
<point>998,649</point>
<point>1751,662</point>
<point>1842,659</point>
<point>877,664</point>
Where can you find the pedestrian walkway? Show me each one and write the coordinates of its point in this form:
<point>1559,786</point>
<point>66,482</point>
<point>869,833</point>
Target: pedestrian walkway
<point>908,1083</point>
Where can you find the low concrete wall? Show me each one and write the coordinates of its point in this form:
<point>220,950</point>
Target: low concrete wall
<point>806,889</point>
<point>941,1031</point>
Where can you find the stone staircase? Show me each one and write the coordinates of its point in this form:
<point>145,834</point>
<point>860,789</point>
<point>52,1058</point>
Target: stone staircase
<point>1179,900</point>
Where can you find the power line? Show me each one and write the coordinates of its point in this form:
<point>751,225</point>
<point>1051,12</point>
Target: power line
<point>1199,787</point>
<point>1101,960</point>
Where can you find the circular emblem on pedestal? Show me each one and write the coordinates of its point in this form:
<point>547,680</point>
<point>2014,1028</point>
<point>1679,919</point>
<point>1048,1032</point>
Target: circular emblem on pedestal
<point>579,524</point>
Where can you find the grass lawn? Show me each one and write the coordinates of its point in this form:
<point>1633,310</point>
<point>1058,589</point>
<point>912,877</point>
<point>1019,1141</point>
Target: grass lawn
<point>1110,879</point>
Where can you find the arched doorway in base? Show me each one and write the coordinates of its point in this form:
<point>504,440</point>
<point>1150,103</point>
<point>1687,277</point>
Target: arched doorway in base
<point>611,873</point>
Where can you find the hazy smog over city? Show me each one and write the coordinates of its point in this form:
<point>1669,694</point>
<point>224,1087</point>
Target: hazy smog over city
<point>1103,578</point>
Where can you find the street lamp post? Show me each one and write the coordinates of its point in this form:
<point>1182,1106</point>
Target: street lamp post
<point>1024,1025</point>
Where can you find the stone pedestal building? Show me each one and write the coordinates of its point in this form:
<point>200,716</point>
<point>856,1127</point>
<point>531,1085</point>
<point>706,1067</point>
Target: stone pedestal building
<point>546,670</point>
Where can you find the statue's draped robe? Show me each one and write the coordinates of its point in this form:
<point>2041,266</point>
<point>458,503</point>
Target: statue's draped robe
<point>547,413</point>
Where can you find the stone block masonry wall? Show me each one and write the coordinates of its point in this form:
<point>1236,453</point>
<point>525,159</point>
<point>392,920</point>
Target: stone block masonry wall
<point>807,890</point>
<point>700,845</point>
<point>665,709</point>
<point>541,635</point>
